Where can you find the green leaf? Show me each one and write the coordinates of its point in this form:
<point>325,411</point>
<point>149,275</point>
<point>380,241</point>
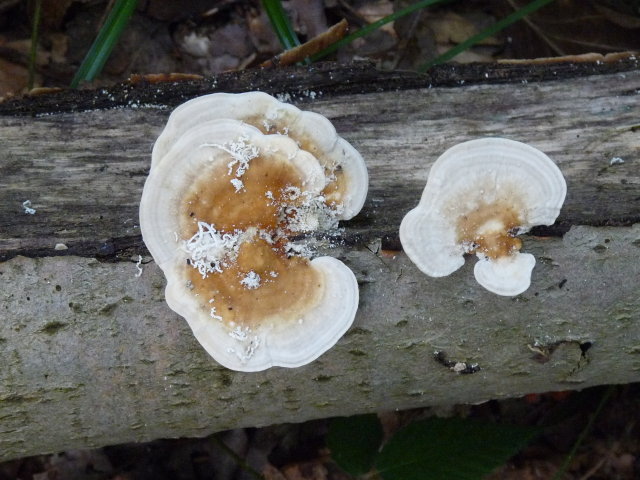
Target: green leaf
<point>354,442</point>
<point>35,30</point>
<point>450,449</point>
<point>107,38</point>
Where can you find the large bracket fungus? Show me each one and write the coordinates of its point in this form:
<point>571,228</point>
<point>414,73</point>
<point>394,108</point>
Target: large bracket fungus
<point>236,181</point>
<point>479,196</point>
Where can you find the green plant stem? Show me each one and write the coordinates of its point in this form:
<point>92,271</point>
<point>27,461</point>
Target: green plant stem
<point>281,24</point>
<point>492,30</point>
<point>239,460</point>
<point>33,51</point>
<point>374,26</point>
<point>107,38</point>
<point>583,433</point>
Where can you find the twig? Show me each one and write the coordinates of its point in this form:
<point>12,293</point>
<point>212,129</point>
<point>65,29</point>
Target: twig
<point>594,469</point>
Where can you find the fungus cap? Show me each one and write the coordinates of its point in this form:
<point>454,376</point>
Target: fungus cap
<point>479,195</point>
<point>219,210</point>
<point>313,133</point>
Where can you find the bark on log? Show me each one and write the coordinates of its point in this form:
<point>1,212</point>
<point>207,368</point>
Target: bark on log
<point>92,355</point>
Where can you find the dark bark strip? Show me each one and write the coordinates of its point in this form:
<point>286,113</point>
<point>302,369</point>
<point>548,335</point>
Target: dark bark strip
<point>83,172</point>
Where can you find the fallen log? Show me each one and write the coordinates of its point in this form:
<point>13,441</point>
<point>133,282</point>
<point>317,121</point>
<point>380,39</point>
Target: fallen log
<point>92,355</point>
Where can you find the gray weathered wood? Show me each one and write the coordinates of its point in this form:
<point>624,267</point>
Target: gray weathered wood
<point>92,355</point>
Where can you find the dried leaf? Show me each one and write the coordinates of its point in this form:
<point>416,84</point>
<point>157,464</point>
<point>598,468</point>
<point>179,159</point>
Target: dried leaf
<point>311,47</point>
<point>13,79</point>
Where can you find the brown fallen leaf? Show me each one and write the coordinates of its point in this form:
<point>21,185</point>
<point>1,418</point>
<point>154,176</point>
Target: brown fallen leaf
<point>13,79</point>
<point>307,49</point>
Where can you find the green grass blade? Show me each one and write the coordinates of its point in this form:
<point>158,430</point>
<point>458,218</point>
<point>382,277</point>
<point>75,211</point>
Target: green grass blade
<point>492,30</point>
<point>281,24</point>
<point>567,461</point>
<point>33,51</point>
<point>374,26</point>
<point>108,36</point>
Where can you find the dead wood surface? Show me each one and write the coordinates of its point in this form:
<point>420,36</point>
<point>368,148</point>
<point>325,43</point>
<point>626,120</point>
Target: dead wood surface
<point>93,356</point>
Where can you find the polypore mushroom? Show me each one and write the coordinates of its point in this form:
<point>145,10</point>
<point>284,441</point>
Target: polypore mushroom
<point>220,211</point>
<point>479,195</point>
<point>346,172</point>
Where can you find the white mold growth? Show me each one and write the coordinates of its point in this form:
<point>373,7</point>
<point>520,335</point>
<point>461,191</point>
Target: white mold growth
<point>210,251</point>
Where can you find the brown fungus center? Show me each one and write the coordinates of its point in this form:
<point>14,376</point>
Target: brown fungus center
<point>261,283</point>
<point>336,189</point>
<point>490,229</point>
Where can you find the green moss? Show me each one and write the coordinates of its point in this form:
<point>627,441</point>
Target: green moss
<point>623,317</point>
<point>357,331</point>
<point>182,403</point>
<point>408,345</point>
<point>225,379</point>
<point>66,389</point>
<point>51,328</point>
<point>108,309</point>
<point>18,398</point>
<point>416,393</point>
<point>357,353</point>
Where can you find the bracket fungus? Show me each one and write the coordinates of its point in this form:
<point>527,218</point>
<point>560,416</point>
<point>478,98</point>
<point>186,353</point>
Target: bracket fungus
<point>479,196</point>
<point>236,181</point>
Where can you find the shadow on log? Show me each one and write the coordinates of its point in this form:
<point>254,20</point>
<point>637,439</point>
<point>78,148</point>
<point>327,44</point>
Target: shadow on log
<point>93,356</point>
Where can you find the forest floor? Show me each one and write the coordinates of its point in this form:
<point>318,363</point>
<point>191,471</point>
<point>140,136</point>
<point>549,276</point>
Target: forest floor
<point>206,37</point>
<point>610,449</point>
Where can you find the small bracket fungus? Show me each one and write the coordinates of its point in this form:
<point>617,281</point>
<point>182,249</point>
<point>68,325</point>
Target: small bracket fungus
<point>479,196</point>
<point>234,180</point>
